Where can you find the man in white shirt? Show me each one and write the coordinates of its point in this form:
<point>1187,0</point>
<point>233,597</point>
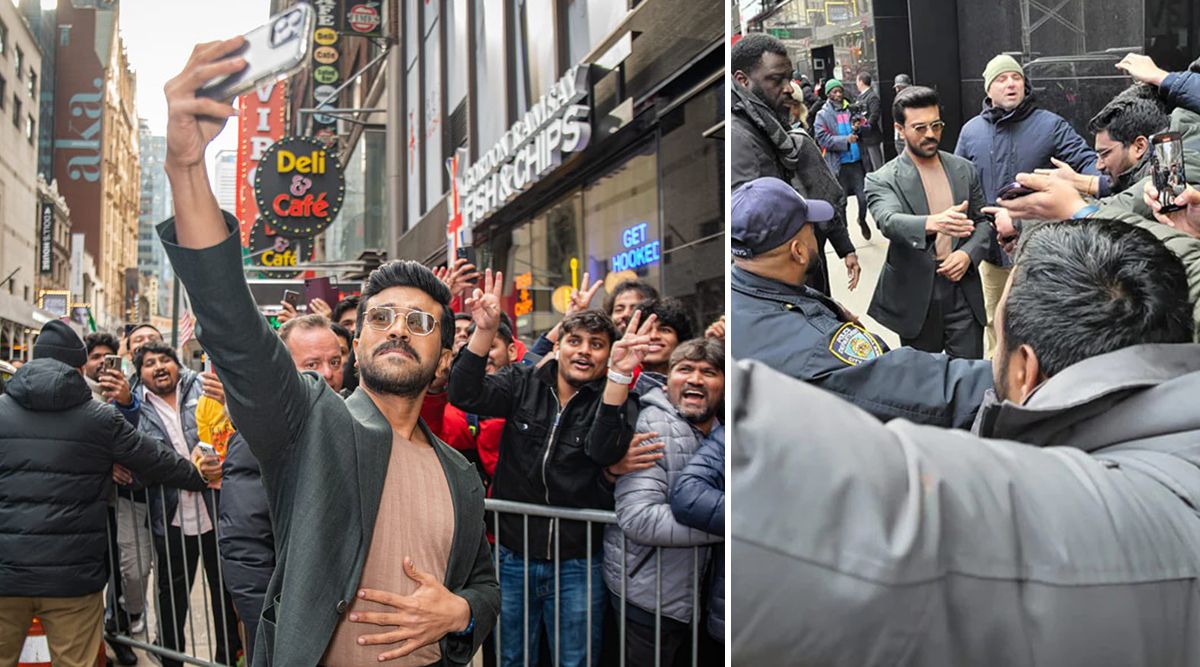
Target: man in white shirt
<point>182,521</point>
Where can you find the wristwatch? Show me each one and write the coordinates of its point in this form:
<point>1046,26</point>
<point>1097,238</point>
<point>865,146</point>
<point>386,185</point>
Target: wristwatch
<point>618,377</point>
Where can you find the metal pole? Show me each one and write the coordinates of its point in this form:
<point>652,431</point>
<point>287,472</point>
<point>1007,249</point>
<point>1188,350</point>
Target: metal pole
<point>394,147</point>
<point>174,311</point>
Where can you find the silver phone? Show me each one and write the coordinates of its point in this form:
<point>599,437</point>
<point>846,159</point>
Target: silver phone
<point>273,51</point>
<point>207,449</point>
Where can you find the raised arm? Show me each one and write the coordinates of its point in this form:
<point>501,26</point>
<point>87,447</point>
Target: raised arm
<point>471,388</point>
<point>266,396</point>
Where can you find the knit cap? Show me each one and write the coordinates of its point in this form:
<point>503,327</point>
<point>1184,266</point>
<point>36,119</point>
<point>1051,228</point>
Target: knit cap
<point>999,65</point>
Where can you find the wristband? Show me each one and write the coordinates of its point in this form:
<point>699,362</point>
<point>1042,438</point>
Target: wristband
<point>618,377</point>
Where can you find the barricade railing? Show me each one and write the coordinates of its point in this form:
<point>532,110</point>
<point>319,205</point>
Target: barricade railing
<point>175,632</point>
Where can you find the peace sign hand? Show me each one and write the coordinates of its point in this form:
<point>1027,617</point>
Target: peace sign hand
<point>628,353</point>
<point>484,304</point>
<point>580,300</point>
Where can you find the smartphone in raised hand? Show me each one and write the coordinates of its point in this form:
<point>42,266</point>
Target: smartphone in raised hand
<point>273,51</point>
<point>1166,164</point>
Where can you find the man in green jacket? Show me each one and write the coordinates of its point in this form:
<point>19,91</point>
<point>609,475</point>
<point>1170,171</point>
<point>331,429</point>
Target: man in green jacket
<point>338,474</point>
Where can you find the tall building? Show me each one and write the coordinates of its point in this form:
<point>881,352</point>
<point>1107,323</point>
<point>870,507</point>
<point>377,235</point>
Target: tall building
<point>95,148</point>
<point>20,71</point>
<point>43,24</point>
<point>225,180</point>
<point>155,207</point>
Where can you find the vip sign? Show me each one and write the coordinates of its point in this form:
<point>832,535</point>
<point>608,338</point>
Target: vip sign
<point>260,124</point>
<point>530,149</point>
<point>299,187</point>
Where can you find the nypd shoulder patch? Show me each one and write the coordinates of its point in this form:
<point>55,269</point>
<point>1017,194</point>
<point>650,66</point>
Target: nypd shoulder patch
<point>853,344</point>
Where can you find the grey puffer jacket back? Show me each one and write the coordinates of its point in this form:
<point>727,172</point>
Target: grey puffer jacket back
<point>643,503</point>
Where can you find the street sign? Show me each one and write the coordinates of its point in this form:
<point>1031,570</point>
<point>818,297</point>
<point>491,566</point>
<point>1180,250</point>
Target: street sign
<point>365,18</point>
<point>299,187</point>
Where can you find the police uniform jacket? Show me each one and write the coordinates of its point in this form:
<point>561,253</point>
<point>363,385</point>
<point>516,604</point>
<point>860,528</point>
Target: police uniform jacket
<point>804,334</point>
<point>897,201</point>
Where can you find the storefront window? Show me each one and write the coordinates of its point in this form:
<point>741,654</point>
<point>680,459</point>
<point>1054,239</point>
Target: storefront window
<point>434,169</point>
<point>826,39</point>
<point>456,52</point>
<point>489,64</point>
<point>620,211</point>
<point>361,222</point>
<point>539,258</point>
<point>589,22</point>
<point>693,211</point>
<point>542,61</point>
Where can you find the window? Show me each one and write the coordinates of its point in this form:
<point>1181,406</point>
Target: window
<point>491,95</point>
<point>33,89</point>
<point>16,111</point>
<point>3,38</point>
<point>20,62</point>
<point>589,22</point>
<point>435,169</point>
<point>3,91</point>
<point>29,126</point>
<point>620,211</point>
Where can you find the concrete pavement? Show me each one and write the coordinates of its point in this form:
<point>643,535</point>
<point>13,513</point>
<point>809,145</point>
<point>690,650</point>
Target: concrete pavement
<point>871,255</point>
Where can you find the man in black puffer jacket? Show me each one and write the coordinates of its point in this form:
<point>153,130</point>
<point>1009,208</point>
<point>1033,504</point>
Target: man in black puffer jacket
<point>57,451</point>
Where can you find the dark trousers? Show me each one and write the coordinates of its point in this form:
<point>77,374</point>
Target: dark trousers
<point>674,640</point>
<point>950,324</point>
<point>178,556</point>
<point>852,179</point>
<point>872,156</point>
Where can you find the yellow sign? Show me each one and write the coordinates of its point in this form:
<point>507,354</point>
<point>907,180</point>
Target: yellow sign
<point>616,278</point>
<point>325,36</point>
<point>272,258</point>
<point>524,304</point>
<point>561,299</point>
<point>314,164</point>
<point>326,55</point>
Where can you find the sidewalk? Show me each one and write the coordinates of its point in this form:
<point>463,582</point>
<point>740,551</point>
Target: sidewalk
<point>871,255</point>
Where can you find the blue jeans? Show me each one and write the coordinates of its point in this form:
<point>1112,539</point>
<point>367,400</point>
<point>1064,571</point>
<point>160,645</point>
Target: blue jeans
<point>543,607</point>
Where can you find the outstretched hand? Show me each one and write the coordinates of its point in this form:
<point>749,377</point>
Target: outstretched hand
<point>484,302</point>
<point>581,299</point>
<point>628,353</point>
<point>1187,219</point>
<point>462,275</point>
<point>193,122</point>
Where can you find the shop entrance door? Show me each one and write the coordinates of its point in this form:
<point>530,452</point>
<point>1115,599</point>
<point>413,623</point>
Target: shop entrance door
<point>822,60</point>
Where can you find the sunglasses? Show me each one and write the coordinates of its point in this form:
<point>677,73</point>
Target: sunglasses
<point>419,322</point>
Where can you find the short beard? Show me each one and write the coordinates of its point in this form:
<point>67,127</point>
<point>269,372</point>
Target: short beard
<point>699,417</point>
<point>758,92</point>
<point>919,152</point>
<point>153,387</point>
<point>407,384</point>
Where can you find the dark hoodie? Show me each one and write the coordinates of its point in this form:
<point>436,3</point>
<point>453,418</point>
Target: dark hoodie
<point>57,450</point>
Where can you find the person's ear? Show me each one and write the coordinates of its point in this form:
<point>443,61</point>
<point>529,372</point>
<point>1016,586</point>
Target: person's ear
<point>444,361</point>
<point>512,353</point>
<point>1140,145</point>
<point>1024,373</point>
<point>742,78</point>
<point>799,252</point>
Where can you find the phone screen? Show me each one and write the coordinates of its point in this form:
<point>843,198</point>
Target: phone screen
<point>1167,163</point>
<point>292,297</point>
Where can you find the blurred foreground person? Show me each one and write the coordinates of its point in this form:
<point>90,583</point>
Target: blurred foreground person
<point>1063,533</point>
<point>57,452</point>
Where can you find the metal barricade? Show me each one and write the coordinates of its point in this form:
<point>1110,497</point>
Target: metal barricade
<point>207,630</point>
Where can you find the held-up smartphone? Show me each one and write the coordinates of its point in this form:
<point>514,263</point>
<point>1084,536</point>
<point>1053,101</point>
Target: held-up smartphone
<point>207,449</point>
<point>467,253</point>
<point>1166,163</point>
<point>112,363</point>
<point>273,51</point>
<point>1013,190</point>
<point>208,364</point>
<point>292,297</point>
<point>321,288</point>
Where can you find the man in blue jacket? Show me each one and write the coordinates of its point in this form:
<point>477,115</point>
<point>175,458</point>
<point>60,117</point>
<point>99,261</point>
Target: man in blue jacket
<point>837,132</point>
<point>1009,136</point>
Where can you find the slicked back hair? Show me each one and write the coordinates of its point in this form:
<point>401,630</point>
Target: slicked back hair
<point>102,339</point>
<point>154,347</point>
<point>1082,288</point>
<point>913,97</point>
<point>644,288</point>
<point>302,323</point>
<point>700,349</point>
<point>670,312</point>
<point>407,273</point>
<point>1129,116</point>
<point>591,321</point>
<point>747,54</point>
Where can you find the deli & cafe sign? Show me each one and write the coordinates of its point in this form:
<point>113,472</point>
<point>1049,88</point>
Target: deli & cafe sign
<point>299,187</point>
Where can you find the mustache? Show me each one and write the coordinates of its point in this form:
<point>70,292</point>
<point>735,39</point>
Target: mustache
<point>396,344</point>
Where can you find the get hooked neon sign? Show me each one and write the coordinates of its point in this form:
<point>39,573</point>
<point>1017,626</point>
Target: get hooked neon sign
<point>638,251</point>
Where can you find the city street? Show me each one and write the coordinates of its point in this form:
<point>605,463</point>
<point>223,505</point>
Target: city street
<point>871,255</point>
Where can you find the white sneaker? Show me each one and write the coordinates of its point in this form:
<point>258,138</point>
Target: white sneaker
<point>137,623</point>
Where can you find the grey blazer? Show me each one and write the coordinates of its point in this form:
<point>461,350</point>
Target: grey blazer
<point>897,202</point>
<point>323,461</point>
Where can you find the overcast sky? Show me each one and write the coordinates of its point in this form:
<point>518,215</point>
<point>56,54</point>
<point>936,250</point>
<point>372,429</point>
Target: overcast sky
<point>159,35</point>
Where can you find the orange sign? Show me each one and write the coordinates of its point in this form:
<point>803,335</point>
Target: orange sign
<point>260,124</point>
<point>524,303</point>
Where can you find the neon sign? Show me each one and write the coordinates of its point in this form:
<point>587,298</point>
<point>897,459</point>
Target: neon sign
<point>638,251</point>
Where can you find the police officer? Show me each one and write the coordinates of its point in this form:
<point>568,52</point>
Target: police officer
<point>800,332</point>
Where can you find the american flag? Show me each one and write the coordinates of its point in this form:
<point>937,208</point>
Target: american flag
<point>187,326</point>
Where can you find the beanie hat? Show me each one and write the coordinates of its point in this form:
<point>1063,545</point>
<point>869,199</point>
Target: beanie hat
<point>831,84</point>
<point>59,341</point>
<point>997,66</point>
